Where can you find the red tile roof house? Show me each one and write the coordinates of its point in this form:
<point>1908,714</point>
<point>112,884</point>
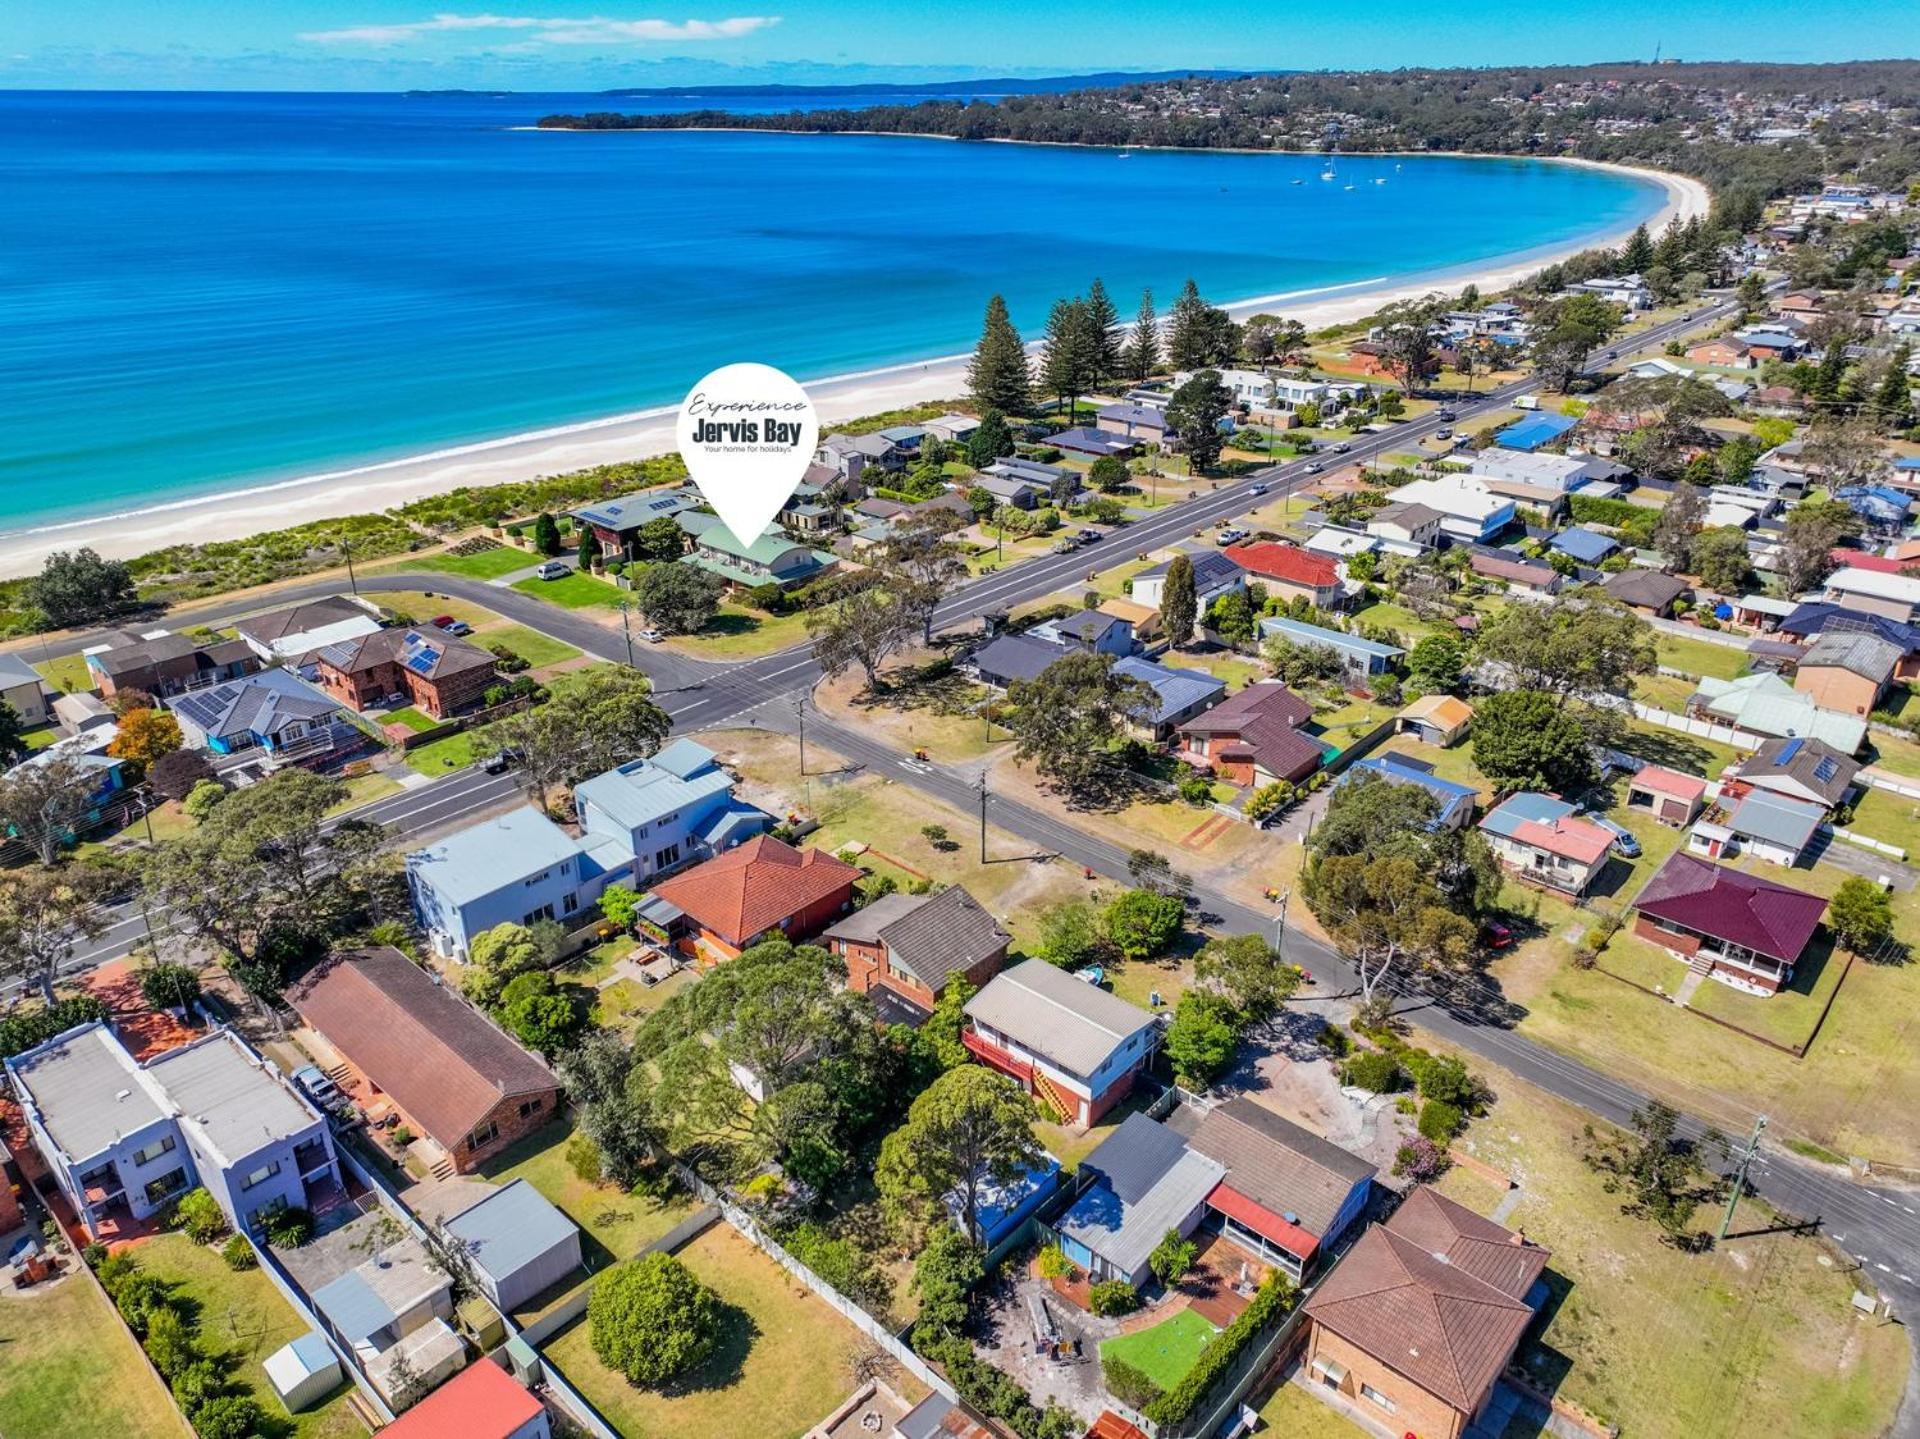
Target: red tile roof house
<point>762,890</point>
<point>1288,571</point>
<point>912,945</point>
<point>1668,795</point>
<point>453,1075</point>
<point>1414,1327</point>
<point>1254,737</point>
<point>482,1401</point>
<point>1540,839</point>
<point>435,672</point>
<point>1743,930</point>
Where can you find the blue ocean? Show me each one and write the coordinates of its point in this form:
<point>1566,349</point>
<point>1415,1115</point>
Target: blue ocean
<point>204,290</point>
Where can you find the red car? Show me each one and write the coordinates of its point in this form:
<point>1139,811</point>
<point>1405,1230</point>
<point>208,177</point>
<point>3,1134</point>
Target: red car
<point>1496,936</point>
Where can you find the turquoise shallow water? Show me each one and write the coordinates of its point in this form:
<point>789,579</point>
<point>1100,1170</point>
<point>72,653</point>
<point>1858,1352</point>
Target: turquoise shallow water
<point>202,290</point>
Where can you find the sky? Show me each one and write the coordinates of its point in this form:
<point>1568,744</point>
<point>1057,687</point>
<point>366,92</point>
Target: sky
<point>596,44</point>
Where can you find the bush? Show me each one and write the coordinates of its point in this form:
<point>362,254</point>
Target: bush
<point>1440,1121</point>
<point>652,1321</point>
<point>114,1271</point>
<point>239,1254</point>
<point>139,1298</point>
<point>1129,1385</point>
<point>289,1228</point>
<point>1112,1297</point>
<point>233,1416</point>
<point>1441,1076</point>
<point>1421,1161</point>
<point>1054,1263</point>
<point>169,986</point>
<point>1373,1070</point>
<point>24,1028</point>
<point>198,1384</point>
<point>94,1255</point>
<point>1172,1257</point>
<point>198,1212</point>
<point>169,1343</point>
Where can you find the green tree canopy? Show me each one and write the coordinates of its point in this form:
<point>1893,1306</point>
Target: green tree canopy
<point>970,1130</point>
<point>652,1321</point>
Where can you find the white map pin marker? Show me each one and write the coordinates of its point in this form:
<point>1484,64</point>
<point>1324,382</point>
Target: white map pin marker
<point>747,433</point>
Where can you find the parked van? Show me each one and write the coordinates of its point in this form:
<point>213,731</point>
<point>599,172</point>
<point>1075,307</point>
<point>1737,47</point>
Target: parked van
<point>1527,402</point>
<point>553,570</point>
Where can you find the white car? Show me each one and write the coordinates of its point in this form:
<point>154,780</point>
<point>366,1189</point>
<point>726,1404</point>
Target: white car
<point>652,637</point>
<point>1229,536</point>
<point>553,570</point>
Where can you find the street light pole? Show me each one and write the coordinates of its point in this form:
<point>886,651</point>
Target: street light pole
<point>983,816</point>
<point>800,713</point>
<point>626,630</point>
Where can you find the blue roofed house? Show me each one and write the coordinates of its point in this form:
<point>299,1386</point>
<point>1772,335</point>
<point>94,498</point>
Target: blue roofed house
<point>1178,695</point>
<point>1140,1182</point>
<point>1588,547</point>
<point>1358,656</point>
<point>1881,506</point>
<point>1456,801</point>
<point>1094,444</point>
<point>273,713</point>
<point>637,821</point>
<point>1534,431</point>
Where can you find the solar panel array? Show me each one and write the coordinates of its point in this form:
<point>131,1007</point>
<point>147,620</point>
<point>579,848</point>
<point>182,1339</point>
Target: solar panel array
<point>418,654</point>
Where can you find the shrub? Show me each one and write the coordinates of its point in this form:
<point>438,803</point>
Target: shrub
<point>402,1136</point>
<point>1172,1257</point>
<point>1194,788</point>
<point>1373,1070</point>
<point>24,1028</point>
<point>198,1384</point>
<point>1421,1161</point>
<point>169,986</point>
<point>1129,1385</point>
<point>198,1212</point>
<point>1439,1121</point>
<point>1441,1076</point>
<point>169,1343</point>
<point>1334,1040</point>
<point>94,1255</point>
<point>114,1271</point>
<point>239,1254</point>
<point>1112,1297</point>
<point>232,1416</point>
<point>289,1228</point>
<point>1054,1263</point>
<point>139,1298</point>
<point>651,1320</point>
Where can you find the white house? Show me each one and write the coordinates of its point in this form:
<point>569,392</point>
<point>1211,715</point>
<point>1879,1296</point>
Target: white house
<point>1213,575</point>
<point>1468,510</point>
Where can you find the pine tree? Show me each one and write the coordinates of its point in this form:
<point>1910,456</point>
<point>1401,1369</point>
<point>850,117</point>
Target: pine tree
<point>1188,337</point>
<point>1826,380</point>
<point>1179,603</point>
<point>1638,252</point>
<point>992,441</point>
<point>998,375</point>
<point>1893,401</point>
<point>1103,321</point>
<point>1069,352</point>
<point>1143,345</point>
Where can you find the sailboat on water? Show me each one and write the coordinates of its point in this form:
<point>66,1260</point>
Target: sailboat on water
<point>1328,173</point>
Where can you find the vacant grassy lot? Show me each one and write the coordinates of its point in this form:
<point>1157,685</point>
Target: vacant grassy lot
<point>532,646</point>
<point>68,673</point>
<point>614,1224</point>
<point>1701,657</point>
<point>486,565</point>
<point>424,608</point>
<point>1751,1338</point>
<point>1014,886</point>
<point>573,592</point>
<point>738,633</point>
<point>1165,1352</point>
<point>782,1367</point>
<point>71,1371</point>
<point>242,1318</point>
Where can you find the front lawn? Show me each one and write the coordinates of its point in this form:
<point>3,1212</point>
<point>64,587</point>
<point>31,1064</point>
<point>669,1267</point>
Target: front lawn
<point>1165,1352</point>
<point>574,591</point>
<point>532,646</point>
<point>1292,1413</point>
<point>242,1318</point>
<point>484,565</point>
<point>614,1224</point>
<point>783,1365</point>
<point>739,633</point>
<point>71,1371</point>
<point>1626,1310</point>
<point>416,720</point>
<point>442,756</point>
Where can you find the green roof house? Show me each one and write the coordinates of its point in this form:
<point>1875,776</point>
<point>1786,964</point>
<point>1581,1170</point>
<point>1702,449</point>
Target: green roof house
<point>770,559</point>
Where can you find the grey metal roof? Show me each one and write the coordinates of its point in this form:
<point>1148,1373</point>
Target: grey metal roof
<point>491,855</point>
<point>1016,657</point>
<point>1071,1022</point>
<point>230,1096</point>
<point>16,671</point>
<point>89,1091</point>
<point>1125,1230</point>
<point>353,1308</point>
<point>1866,655</point>
<point>1135,1157</point>
<point>510,1228</point>
<point>1776,819</point>
<point>1175,690</point>
<point>642,791</point>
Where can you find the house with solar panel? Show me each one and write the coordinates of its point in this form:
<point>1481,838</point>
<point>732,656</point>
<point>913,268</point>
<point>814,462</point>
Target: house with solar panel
<point>274,715</point>
<point>435,672</point>
<point>617,522</point>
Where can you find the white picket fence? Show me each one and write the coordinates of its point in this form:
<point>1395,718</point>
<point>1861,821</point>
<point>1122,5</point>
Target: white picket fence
<point>1698,728</point>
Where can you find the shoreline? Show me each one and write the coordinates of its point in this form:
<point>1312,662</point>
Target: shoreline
<point>249,509</point>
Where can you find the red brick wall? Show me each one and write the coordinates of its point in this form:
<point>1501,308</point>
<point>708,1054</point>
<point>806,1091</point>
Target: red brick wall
<point>10,1216</point>
<point>1680,943</point>
<point>513,1126</point>
<point>820,913</point>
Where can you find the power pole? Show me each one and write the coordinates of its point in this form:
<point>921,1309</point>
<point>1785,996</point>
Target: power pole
<point>983,816</point>
<point>1280,926</point>
<point>800,713</point>
<point>353,580</point>
<point>1747,1156</point>
<point>626,630</point>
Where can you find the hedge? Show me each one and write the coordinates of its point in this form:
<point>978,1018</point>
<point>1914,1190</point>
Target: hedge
<point>1176,1406</point>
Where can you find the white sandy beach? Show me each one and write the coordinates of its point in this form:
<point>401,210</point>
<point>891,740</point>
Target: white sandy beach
<point>237,513</point>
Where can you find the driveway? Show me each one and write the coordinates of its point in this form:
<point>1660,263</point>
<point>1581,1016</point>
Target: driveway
<point>1826,849</point>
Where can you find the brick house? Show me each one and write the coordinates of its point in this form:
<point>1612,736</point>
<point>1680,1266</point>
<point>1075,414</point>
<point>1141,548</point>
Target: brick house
<point>1736,927</point>
<point>1253,737</point>
<point>764,889</point>
<point>451,1073</point>
<point>433,671</point>
<point>912,946</point>
<point>1289,572</point>
<point>1415,1326</point>
<point>1846,671</point>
